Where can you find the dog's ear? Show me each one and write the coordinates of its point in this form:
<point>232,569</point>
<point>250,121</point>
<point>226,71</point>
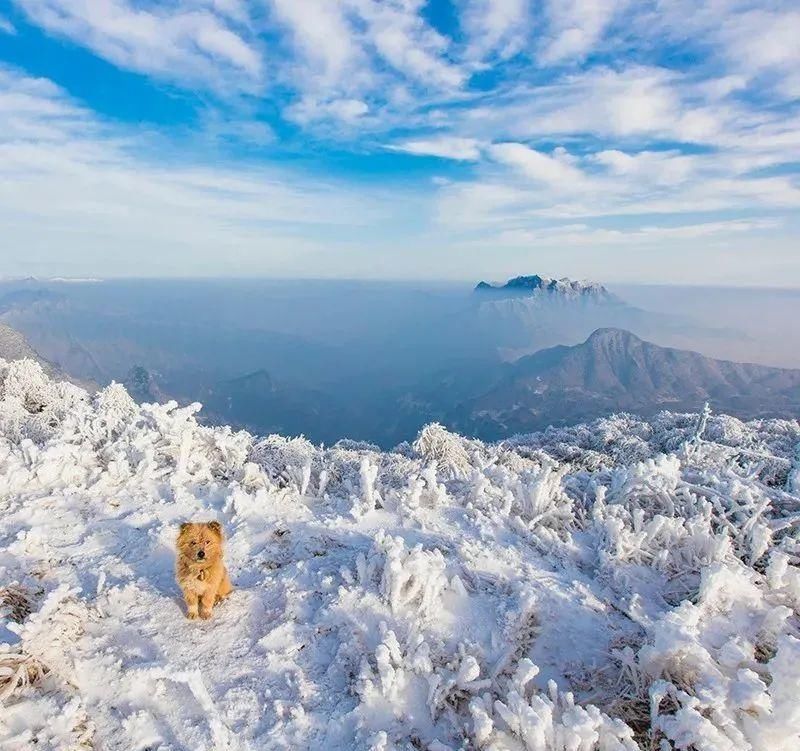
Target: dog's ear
<point>184,527</point>
<point>215,527</point>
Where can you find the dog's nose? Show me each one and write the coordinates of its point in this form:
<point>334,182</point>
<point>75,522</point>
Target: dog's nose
<point>201,554</point>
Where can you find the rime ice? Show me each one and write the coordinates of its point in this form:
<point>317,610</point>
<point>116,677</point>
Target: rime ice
<point>612,586</point>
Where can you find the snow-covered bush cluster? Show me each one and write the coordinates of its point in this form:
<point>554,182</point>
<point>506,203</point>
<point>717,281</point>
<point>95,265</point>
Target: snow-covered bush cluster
<point>766,445</point>
<point>615,586</point>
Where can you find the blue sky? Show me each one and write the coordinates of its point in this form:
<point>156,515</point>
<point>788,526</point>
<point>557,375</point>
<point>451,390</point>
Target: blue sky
<point>453,139</point>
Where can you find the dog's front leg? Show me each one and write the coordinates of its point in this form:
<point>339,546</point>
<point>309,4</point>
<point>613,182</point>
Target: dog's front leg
<point>225,586</point>
<point>207,603</point>
<point>191,603</point>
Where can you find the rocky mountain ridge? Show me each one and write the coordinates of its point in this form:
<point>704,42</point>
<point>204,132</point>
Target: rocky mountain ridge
<point>616,371</point>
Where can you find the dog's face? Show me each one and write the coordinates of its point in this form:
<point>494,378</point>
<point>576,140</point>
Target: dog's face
<point>200,542</point>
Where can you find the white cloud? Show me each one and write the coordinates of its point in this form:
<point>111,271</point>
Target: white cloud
<point>360,50</point>
<point>406,42</point>
<point>745,38</point>
<point>6,27</point>
<point>186,42</point>
<point>73,186</point>
<point>657,167</point>
<point>765,41</point>
<point>586,235</point>
<point>495,26</point>
<point>447,147</point>
<point>220,125</point>
<point>310,110</point>
<point>376,65</point>
<point>608,183</point>
<point>630,103</point>
<point>575,27</point>
<point>236,10</point>
<point>557,171</point>
<point>322,38</point>
<point>576,112</point>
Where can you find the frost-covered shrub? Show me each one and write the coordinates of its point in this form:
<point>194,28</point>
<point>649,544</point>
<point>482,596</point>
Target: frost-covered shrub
<point>408,579</point>
<point>34,406</point>
<point>624,439</point>
<point>55,723</point>
<point>650,567</point>
<point>343,471</point>
<point>405,679</point>
<point>46,639</point>
<point>619,438</point>
<point>339,473</point>
<point>535,496</point>
<point>74,441</point>
<point>539,497</point>
<point>437,444</point>
<point>714,674</point>
<point>395,470</point>
<point>114,409</point>
<point>793,476</point>
<point>166,442</point>
<point>24,382</point>
<point>369,498</point>
<point>386,677</point>
<point>286,461</point>
<point>348,444</point>
<point>528,719</point>
<point>670,544</point>
<point>18,671</point>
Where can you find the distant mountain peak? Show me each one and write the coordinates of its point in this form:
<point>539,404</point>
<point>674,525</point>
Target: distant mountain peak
<point>610,335</point>
<point>535,285</point>
<point>616,371</point>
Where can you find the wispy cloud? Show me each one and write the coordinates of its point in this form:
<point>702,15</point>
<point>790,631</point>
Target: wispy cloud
<point>495,28</point>
<point>745,37</point>
<point>631,103</point>
<point>764,42</point>
<point>447,147</point>
<point>575,27</point>
<point>626,118</point>
<point>338,60</point>
<point>586,235</point>
<point>348,57</point>
<point>205,42</point>
<point>556,170</point>
<point>531,185</point>
<point>6,27</point>
<point>72,183</point>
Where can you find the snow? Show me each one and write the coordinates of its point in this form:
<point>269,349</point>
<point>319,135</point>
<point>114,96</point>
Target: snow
<point>536,285</point>
<point>612,586</point>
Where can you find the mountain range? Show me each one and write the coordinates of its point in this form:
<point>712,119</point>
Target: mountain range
<point>542,287</point>
<point>529,313</point>
<point>262,404</point>
<point>615,371</point>
<point>505,358</point>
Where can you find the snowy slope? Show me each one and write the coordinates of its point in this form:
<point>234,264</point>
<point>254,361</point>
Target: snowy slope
<point>613,586</point>
<point>14,346</point>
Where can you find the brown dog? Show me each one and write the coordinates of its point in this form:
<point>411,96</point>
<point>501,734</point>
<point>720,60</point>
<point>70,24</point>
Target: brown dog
<point>200,569</point>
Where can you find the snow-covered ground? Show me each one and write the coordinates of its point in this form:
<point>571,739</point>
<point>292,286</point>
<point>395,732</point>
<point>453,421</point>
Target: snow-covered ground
<point>612,586</point>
